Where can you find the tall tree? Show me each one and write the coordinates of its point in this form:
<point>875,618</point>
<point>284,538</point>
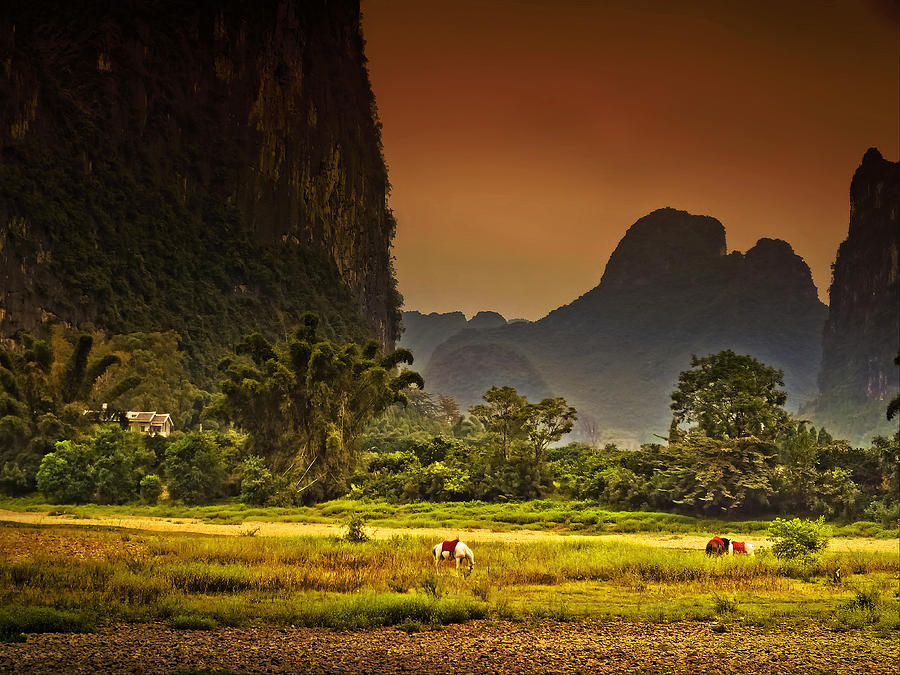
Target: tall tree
<point>728,395</point>
<point>504,412</point>
<point>305,402</point>
<point>547,422</point>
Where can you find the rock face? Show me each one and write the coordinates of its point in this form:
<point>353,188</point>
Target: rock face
<point>163,159</point>
<point>668,291</point>
<point>858,377</point>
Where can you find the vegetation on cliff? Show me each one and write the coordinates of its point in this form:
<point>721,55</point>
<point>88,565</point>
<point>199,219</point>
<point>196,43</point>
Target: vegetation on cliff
<point>138,194</point>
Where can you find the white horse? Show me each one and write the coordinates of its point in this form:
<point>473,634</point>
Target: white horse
<point>459,552</point>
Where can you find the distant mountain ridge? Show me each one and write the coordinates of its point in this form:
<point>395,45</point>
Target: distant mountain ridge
<point>422,333</point>
<point>858,376</point>
<point>669,290</point>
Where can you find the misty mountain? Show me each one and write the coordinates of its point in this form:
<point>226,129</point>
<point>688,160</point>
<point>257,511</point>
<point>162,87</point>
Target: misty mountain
<point>423,332</point>
<point>669,290</point>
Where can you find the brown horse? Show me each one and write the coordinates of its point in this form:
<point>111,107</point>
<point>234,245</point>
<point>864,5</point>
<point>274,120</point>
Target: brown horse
<point>717,546</point>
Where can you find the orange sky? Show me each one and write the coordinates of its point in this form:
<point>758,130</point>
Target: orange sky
<point>523,137</point>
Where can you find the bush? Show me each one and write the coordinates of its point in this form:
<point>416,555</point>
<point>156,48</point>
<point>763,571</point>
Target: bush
<point>355,532</point>
<point>120,461</point>
<point>195,468</point>
<point>15,479</point>
<point>66,475</point>
<point>257,482</point>
<point>151,488</point>
<point>797,538</point>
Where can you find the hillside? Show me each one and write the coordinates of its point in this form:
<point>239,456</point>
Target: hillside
<point>669,290</point>
<point>862,335</point>
<point>204,167</point>
<point>422,333</point>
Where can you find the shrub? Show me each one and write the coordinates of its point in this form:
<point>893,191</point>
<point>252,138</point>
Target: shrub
<point>120,460</point>
<point>194,468</point>
<point>798,538</point>
<point>16,479</point>
<point>151,488</point>
<point>257,482</point>
<point>67,474</point>
<point>355,532</point>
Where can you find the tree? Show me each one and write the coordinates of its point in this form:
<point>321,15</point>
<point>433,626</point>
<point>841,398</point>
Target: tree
<point>45,385</point>
<point>731,396</point>
<point>803,539</point>
<point>107,468</point>
<point>66,475</point>
<point>305,402</point>
<point>894,406</point>
<point>504,413</point>
<point>195,468</point>
<point>547,422</point>
<point>720,476</point>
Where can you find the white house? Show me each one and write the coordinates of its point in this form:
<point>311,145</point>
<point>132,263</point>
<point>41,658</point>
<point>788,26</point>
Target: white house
<point>150,423</point>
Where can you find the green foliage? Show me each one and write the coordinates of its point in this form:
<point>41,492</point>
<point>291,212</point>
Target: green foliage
<point>67,475</point>
<point>258,486</point>
<point>107,468</point>
<point>15,479</point>
<point>731,396</point>
<point>804,539</point>
<point>725,476</point>
<point>120,462</point>
<point>195,468</point>
<point>305,402</point>
<point>35,619</point>
<point>45,385</point>
<point>151,488</point>
<point>504,413</point>
<point>356,533</point>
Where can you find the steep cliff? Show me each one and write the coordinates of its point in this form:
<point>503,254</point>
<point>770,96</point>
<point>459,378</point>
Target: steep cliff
<point>206,166</point>
<point>858,376</point>
<point>668,291</point>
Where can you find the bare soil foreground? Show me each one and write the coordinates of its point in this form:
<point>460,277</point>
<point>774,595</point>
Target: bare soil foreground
<point>274,529</point>
<point>475,647</point>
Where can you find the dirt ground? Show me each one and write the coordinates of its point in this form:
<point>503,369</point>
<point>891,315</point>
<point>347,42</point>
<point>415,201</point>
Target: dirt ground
<point>474,647</point>
<point>267,529</point>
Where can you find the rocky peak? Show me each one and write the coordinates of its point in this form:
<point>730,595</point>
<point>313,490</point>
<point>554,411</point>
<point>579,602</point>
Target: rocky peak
<point>484,320</point>
<point>858,375</point>
<point>663,242</point>
<point>775,260</point>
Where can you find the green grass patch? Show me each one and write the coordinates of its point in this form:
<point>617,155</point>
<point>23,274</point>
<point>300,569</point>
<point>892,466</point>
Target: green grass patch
<point>17,619</point>
<point>192,622</point>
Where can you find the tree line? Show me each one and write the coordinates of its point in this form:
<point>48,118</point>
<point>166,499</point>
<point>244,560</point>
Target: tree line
<point>307,418</point>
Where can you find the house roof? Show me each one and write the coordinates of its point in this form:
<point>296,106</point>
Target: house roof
<point>151,417</point>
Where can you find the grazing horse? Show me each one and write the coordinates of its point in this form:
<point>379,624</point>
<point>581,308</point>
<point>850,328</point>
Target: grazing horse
<point>717,546</point>
<point>737,547</point>
<point>453,549</point>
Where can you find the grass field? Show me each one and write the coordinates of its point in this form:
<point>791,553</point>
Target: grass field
<point>58,578</point>
<point>579,517</point>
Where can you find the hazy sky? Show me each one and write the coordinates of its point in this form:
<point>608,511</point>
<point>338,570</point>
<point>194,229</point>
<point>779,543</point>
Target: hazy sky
<point>523,137</point>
